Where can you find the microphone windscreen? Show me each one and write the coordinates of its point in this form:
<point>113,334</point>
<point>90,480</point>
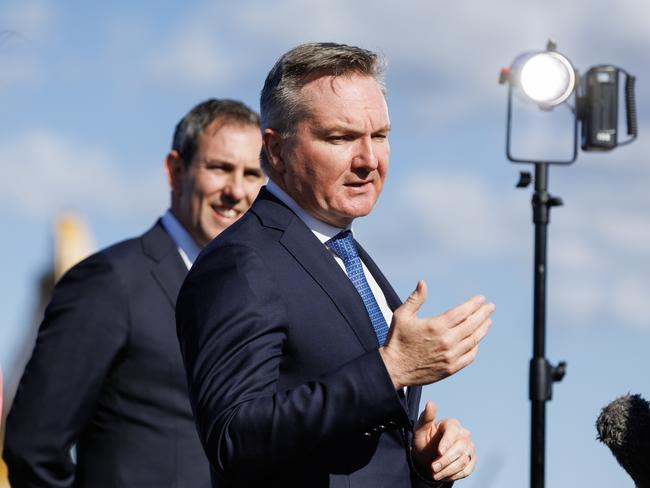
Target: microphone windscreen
<point>624,427</point>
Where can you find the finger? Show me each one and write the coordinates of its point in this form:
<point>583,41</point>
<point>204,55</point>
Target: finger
<point>415,300</point>
<point>459,313</point>
<point>472,341</point>
<point>465,359</point>
<point>474,320</point>
<point>460,468</point>
<point>428,415</point>
<point>457,456</point>
<point>466,471</point>
<point>448,431</point>
<point>426,424</point>
<point>466,350</point>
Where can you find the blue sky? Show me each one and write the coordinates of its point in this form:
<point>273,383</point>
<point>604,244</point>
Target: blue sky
<point>90,93</point>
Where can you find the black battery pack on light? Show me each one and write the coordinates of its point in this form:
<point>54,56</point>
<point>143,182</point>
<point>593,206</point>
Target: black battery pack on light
<point>598,108</point>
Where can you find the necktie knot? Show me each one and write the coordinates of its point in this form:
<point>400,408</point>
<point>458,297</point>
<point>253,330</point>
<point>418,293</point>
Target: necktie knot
<point>343,245</point>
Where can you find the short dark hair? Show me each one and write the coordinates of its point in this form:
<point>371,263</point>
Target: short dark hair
<point>280,101</point>
<point>191,126</point>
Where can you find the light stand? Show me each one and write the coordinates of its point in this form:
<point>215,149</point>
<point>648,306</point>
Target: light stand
<point>542,373</point>
<point>597,109</point>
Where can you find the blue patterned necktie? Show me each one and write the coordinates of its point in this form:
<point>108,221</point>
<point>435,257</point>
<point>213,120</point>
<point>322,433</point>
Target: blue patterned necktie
<point>344,247</point>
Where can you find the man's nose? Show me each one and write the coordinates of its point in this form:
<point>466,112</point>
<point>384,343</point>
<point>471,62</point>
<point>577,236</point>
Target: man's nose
<point>234,188</point>
<point>365,156</point>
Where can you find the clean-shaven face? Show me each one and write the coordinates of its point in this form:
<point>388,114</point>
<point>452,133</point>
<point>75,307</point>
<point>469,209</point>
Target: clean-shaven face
<point>222,180</point>
<point>335,165</point>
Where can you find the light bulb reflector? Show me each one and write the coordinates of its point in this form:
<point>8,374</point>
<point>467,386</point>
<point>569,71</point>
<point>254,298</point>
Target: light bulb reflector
<point>547,78</point>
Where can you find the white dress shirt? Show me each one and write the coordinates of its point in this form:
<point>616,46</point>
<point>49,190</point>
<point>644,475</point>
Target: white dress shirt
<point>187,247</point>
<point>324,232</point>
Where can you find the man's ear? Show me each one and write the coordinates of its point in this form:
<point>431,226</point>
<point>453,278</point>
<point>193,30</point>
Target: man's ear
<point>273,143</point>
<point>175,167</point>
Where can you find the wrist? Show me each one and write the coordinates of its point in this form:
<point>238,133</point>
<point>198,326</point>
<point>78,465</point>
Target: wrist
<point>393,366</point>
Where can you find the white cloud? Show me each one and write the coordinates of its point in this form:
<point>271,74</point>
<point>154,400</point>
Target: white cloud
<point>44,173</point>
<point>447,56</point>
<point>452,52</point>
<point>572,254</point>
<point>627,230</point>
<point>334,20</point>
<point>23,26</point>
<point>195,52</point>
<point>626,165</point>
<point>30,19</point>
<point>579,300</point>
<point>590,298</point>
<point>630,300</point>
<point>463,213</point>
<point>191,59</point>
<point>21,71</point>
<point>600,257</point>
<point>598,253</point>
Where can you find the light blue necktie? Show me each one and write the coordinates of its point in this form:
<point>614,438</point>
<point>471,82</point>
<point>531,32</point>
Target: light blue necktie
<point>344,247</point>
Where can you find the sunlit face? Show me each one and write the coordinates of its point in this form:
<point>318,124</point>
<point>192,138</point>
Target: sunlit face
<point>334,166</point>
<point>220,183</point>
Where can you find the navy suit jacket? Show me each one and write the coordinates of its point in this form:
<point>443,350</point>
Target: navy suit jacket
<point>106,374</point>
<point>286,380</point>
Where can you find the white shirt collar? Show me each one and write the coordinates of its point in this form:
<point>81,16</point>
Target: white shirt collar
<point>187,247</point>
<point>322,230</point>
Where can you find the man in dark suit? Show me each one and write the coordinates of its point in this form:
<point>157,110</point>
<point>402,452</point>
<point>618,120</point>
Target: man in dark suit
<point>106,374</point>
<point>295,376</point>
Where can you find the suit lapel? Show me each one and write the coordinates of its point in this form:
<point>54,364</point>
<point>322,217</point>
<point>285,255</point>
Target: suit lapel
<point>319,263</point>
<point>168,268</point>
<point>391,297</point>
<point>312,255</point>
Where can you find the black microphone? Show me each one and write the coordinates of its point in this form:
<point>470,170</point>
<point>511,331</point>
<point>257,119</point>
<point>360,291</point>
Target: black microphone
<point>624,427</point>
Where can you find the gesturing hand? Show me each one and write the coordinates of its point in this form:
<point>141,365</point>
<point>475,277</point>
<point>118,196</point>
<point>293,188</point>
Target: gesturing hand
<point>443,450</point>
<point>420,351</point>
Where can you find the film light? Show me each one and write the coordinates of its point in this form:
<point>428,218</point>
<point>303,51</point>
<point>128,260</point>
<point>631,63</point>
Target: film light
<point>546,78</point>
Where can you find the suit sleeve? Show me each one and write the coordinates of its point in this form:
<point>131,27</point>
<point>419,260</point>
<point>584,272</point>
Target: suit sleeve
<point>84,328</point>
<point>233,329</point>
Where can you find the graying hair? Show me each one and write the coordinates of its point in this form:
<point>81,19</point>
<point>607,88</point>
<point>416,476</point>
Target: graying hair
<point>281,104</point>
<point>189,128</point>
